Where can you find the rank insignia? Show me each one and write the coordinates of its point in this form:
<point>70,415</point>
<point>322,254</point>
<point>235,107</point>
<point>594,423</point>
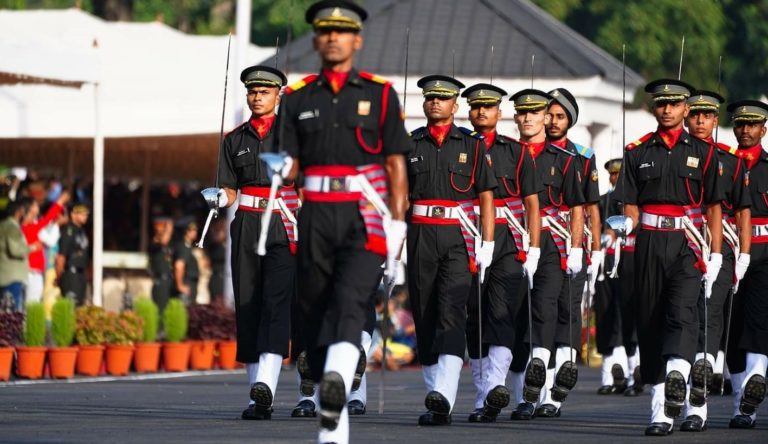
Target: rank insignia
<point>488,159</point>
<point>594,176</point>
<point>692,162</point>
<point>364,107</point>
<point>462,157</point>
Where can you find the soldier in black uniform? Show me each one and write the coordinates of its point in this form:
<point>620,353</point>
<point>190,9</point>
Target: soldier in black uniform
<point>186,272</point>
<point>560,174</point>
<point>73,256</point>
<point>609,300</point>
<point>516,250</point>
<point>701,121</point>
<point>748,342</point>
<point>263,285</point>
<point>161,261</point>
<point>669,179</point>
<point>344,131</point>
<point>447,171</point>
<point>563,112</point>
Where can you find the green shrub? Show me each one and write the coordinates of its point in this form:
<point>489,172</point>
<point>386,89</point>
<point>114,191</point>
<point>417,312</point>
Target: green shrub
<point>90,324</point>
<point>34,328</point>
<point>147,310</point>
<point>123,329</point>
<point>175,321</point>
<point>63,322</point>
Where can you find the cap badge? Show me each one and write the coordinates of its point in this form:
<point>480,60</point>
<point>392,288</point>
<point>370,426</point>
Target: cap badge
<point>743,109</point>
<point>701,98</point>
<point>481,93</point>
<point>258,74</point>
<point>336,12</point>
<point>666,88</point>
<point>556,94</point>
<point>528,98</point>
<point>437,84</point>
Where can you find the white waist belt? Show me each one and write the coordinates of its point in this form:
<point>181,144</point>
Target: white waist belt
<point>436,211</point>
<point>324,184</point>
<point>663,222</point>
<point>499,212</point>
<point>258,202</point>
<point>759,230</point>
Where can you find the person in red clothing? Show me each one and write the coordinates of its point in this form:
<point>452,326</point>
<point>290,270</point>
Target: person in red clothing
<point>31,227</point>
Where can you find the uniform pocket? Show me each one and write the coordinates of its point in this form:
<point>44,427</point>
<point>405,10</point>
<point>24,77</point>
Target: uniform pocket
<point>366,131</point>
<point>461,176</point>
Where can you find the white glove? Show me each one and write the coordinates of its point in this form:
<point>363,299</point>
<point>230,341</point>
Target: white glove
<point>531,264</point>
<point>221,198</point>
<point>484,257</point>
<point>396,231</point>
<point>574,261</point>
<point>742,263</point>
<point>628,225</point>
<point>713,269</point>
<point>286,171</point>
<point>594,267</point>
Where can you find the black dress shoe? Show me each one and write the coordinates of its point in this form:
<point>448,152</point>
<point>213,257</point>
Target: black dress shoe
<point>362,361</point>
<point>565,381</point>
<point>753,395</point>
<point>693,423</point>
<point>476,415</point>
<point>495,401</point>
<point>701,378</point>
<point>333,397</point>
<point>606,390</point>
<point>548,411</point>
<point>304,409</point>
<point>434,419</point>
<point>658,429</point>
<point>437,403</point>
<point>524,411</point>
<point>255,413</point>
<point>674,393</point>
<point>634,390</point>
<point>742,422</point>
<point>619,377</point>
<point>307,384</point>
<point>535,377</point>
<point>355,407</point>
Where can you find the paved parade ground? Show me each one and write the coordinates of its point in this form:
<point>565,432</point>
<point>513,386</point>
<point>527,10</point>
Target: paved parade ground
<point>206,408</point>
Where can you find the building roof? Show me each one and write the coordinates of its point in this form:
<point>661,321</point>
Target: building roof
<point>516,28</point>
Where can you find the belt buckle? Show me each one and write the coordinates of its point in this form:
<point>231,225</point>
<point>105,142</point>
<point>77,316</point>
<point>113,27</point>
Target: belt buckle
<point>336,183</point>
<point>263,203</point>
<point>437,212</point>
<point>666,222</point>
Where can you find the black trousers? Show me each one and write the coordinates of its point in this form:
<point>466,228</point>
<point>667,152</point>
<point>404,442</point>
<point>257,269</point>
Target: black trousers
<point>439,284</point>
<point>73,286</point>
<point>501,298</point>
<point>568,330</point>
<point>607,305</point>
<point>627,293</point>
<point>336,276</point>
<point>715,312</point>
<point>667,291</point>
<point>263,287</point>
<point>161,291</point>
<point>749,329</point>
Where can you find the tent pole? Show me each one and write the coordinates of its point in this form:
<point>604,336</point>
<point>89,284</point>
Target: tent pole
<point>146,184</point>
<point>98,199</point>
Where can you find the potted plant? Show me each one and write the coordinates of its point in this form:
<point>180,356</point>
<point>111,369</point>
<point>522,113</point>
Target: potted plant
<point>225,334</point>
<point>146,356</point>
<point>123,330</point>
<point>90,323</point>
<point>175,323</point>
<point>62,356</point>
<point>202,332</point>
<point>11,325</point>
<point>30,358</point>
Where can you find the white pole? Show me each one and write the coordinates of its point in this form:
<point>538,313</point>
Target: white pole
<point>98,198</point>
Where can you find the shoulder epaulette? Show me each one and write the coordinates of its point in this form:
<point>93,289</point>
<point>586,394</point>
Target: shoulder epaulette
<point>373,77</point>
<point>471,133</point>
<point>301,83</point>
<point>639,141</point>
<point>728,149</point>
<point>565,150</point>
<point>585,151</point>
<point>238,127</point>
<point>418,132</point>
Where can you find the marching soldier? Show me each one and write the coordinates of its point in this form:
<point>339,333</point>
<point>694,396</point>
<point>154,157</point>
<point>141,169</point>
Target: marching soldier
<point>344,132</point>
<point>749,338</point>
<point>516,252</point>
<point>560,250</point>
<point>669,178</point>
<point>161,261</point>
<point>73,256</point>
<point>263,285</point>
<point>563,112</point>
<point>701,121</point>
<point>447,172</point>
